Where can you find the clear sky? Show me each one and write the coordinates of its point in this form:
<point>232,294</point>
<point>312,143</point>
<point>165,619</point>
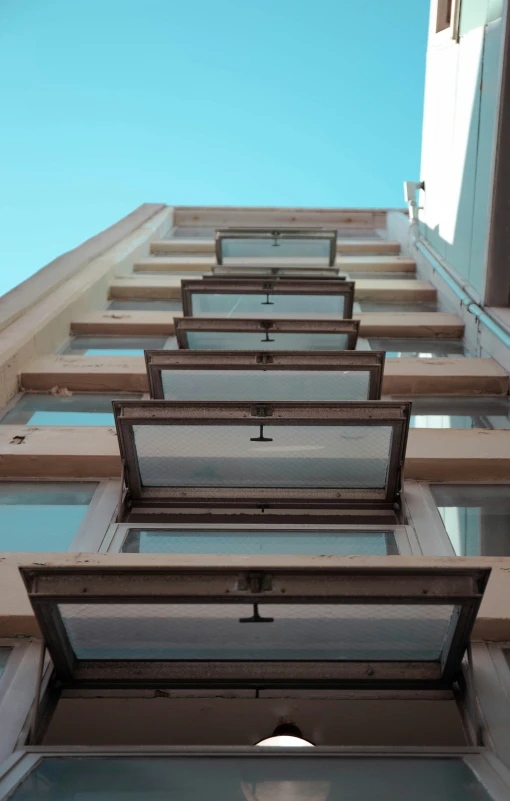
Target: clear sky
<point>107,104</point>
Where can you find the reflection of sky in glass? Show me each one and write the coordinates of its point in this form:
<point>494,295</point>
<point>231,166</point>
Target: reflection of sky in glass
<point>112,345</point>
<point>476,518</point>
<point>41,517</point>
<point>77,409</point>
<point>413,347</point>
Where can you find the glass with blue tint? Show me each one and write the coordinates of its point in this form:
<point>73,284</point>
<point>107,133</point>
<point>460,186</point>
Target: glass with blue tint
<point>289,456</point>
<point>246,340</point>
<point>293,631</point>
<point>145,305</point>
<point>78,409</point>
<point>311,542</point>
<point>490,413</point>
<point>419,348</point>
<point>4,656</point>
<point>269,385</point>
<point>476,518</point>
<point>232,305</point>
<point>260,778</point>
<point>277,248</point>
<point>112,345</point>
<point>42,516</point>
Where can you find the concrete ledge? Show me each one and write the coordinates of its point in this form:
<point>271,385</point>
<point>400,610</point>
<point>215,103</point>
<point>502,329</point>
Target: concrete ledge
<point>350,264</point>
<point>371,247</point>
<point>168,287</point>
<point>401,376</point>
<point>373,324</point>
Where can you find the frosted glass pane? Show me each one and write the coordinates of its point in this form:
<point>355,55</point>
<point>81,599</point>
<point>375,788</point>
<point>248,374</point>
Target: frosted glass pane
<point>41,517</point>
<point>245,340</point>
<point>260,542</point>
<point>329,632</point>
<point>230,305</point>
<point>284,385</point>
<point>275,249</point>
<point>282,778</point>
<point>296,456</point>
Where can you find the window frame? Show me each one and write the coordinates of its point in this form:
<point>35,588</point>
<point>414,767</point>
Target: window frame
<point>48,587</point>
<point>100,511</point>
<point>156,361</point>
<point>486,767</point>
<point>260,272</point>
<point>17,685</point>
<point>300,413</point>
<point>248,286</point>
<point>221,234</point>
<point>264,326</point>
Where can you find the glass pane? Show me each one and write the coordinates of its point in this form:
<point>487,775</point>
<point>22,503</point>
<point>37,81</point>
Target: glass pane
<point>145,305</point>
<point>476,518</point>
<point>246,340</point>
<point>42,516</point>
<point>329,632</point>
<point>275,248</point>
<point>112,346</point>
<point>424,348</point>
<point>345,543</point>
<point>78,409</point>
<point>235,456</point>
<point>396,306</point>
<point>4,656</point>
<point>263,778</point>
<point>355,275</point>
<point>284,385</point>
<point>459,412</point>
<point>227,305</point>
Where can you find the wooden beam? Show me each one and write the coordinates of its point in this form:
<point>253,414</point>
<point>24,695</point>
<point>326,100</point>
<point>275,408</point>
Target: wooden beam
<point>363,246</point>
<point>158,287</point>
<point>373,324</point>
<point>449,376</point>
<point>350,264</point>
<point>92,452</point>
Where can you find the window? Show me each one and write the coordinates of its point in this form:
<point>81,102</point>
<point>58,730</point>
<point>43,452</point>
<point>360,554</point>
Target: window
<point>76,409</point>
<point>42,516</point>
<point>476,517</point>
<point>444,14</point>
<point>145,305</point>
<point>4,655</point>
<point>270,298</point>
<point>240,777</point>
<point>207,453</point>
<point>419,348</point>
<point>397,306</point>
<point>112,345</point>
<point>185,375</point>
<point>460,412</point>
<point>200,333</point>
<point>315,244</point>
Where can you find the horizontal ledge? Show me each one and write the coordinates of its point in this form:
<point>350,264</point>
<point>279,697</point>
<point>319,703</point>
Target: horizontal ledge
<point>93,452</point>
<point>413,376</point>
<point>349,263</point>
<point>373,324</point>
<point>168,287</point>
<point>366,246</point>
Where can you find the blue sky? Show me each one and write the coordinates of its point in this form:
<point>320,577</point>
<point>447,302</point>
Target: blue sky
<point>107,104</point>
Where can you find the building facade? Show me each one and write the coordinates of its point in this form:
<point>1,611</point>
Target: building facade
<point>255,483</point>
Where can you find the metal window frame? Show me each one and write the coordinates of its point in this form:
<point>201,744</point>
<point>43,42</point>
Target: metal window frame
<point>404,536</point>
<point>221,234</point>
<point>98,517</point>
<point>214,279</point>
<point>17,684</point>
<point>232,413</point>
<point>486,767</point>
<point>259,271</point>
<point>48,587</point>
<point>184,325</point>
<point>157,361</point>
<point>247,286</point>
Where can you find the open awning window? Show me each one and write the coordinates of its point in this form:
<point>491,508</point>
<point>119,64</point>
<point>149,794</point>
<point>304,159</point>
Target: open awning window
<point>226,333</point>
<point>298,454</point>
<point>308,244</point>
<point>267,298</point>
<point>259,271</point>
<point>219,626</point>
<point>264,376</point>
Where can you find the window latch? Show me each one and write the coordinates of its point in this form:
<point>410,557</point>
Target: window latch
<point>265,358</point>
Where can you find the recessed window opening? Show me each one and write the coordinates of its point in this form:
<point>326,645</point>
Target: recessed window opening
<point>66,409</point>
<point>112,345</point>
<point>444,15</point>
<point>476,517</point>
